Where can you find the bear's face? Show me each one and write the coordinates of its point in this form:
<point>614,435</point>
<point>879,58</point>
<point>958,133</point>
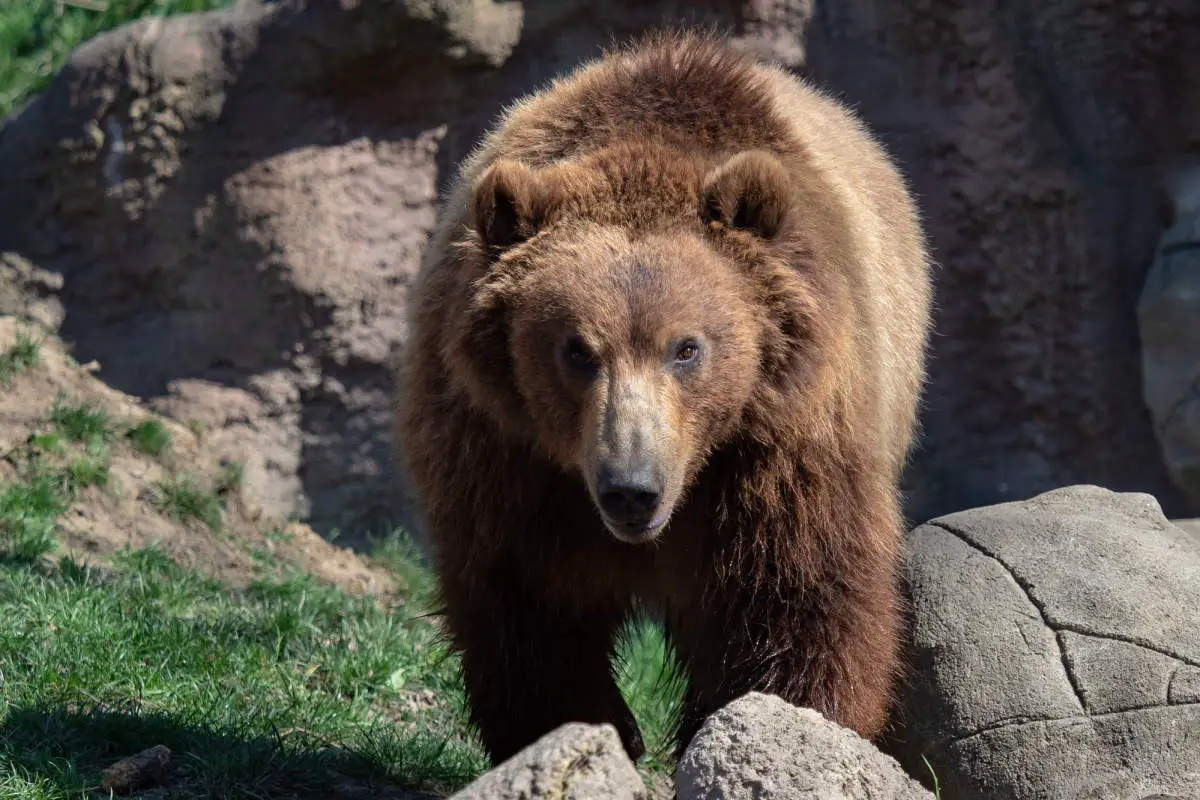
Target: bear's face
<point>632,357</point>
<point>629,351</point>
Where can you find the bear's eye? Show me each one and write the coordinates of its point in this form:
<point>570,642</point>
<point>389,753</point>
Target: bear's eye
<point>687,352</point>
<point>579,356</point>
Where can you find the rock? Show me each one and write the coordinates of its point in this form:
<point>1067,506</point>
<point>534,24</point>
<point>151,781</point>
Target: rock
<point>1040,139</point>
<point>139,771</point>
<point>1191,526</point>
<point>1169,323</point>
<point>1056,650</point>
<point>572,762</point>
<point>761,746</point>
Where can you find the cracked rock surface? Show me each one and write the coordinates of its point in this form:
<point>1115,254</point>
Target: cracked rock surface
<point>572,762</point>
<point>1056,650</point>
<point>761,746</point>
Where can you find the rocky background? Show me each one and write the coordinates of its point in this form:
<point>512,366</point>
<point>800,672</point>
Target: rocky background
<point>225,210</point>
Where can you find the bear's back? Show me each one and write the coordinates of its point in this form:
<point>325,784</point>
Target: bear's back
<point>888,266</point>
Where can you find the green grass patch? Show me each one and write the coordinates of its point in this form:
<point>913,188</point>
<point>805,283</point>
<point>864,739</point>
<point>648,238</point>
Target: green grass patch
<point>88,471</point>
<point>35,40</point>
<point>288,689</point>
<point>28,510</point>
<point>182,499</point>
<point>651,680</point>
<point>22,354</point>
<point>399,554</point>
<point>150,438</point>
<point>52,467</point>
<point>48,443</point>
<point>83,424</point>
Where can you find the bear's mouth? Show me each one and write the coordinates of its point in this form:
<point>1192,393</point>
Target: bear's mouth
<point>640,531</point>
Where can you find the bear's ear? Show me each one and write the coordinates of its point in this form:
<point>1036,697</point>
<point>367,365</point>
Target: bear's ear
<point>748,192</point>
<point>509,204</point>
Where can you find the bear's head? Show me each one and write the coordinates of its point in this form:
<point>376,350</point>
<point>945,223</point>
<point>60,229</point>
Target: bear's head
<point>628,308</point>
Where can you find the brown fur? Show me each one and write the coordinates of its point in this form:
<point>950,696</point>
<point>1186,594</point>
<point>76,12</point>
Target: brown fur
<point>670,189</point>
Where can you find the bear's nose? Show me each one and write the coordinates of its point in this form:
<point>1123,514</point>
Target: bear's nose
<point>628,496</point>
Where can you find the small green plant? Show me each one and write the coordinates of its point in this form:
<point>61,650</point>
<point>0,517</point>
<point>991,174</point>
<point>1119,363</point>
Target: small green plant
<point>262,558</point>
<point>28,511</point>
<point>45,443</point>
<point>88,471</point>
<point>651,681</point>
<point>937,787</point>
<point>196,427</point>
<point>82,423</point>
<point>150,438</point>
<point>230,478</point>
<point>182,499</point>
<point>399,554</point>
<point>21,355</point>
<point>277,533</point>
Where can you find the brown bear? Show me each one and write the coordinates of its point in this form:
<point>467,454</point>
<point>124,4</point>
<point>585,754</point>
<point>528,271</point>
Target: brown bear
<point>667,347</point>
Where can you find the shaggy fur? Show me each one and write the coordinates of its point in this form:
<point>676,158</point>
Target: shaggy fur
<point>675,188</point>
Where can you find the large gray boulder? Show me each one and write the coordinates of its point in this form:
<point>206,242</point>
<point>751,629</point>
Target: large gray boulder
<point>573,762</point>
<point>1056,650</point>
<point>760,746</point>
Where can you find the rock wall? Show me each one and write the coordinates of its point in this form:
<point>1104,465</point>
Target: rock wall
<point>1041,138</point>
<point>225,210</point>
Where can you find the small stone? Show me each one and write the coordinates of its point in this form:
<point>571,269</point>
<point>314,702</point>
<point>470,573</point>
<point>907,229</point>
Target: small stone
<point>140,771</point>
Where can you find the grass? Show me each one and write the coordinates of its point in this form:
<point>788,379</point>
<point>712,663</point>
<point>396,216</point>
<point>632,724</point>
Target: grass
<point>51,475</point>
<point>182,499</point>
<point>150,438</point>
<point>287,689</point>
<point>230,478</point>
<point>651,680</point>
<point>83,424</point>
<point>36,40</point>
<point>937,786</point>
<point>22,354</point>
<point>28,511</point>
<point>88,471</point>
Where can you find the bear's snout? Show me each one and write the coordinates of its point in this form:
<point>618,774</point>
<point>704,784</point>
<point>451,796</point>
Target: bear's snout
<point>630,496</point>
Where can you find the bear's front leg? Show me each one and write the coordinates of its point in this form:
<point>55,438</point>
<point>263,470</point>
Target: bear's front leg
<point>832,647</point>
<point>531,665</point>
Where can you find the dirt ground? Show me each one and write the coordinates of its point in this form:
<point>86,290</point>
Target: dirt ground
<point>123,513</point>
